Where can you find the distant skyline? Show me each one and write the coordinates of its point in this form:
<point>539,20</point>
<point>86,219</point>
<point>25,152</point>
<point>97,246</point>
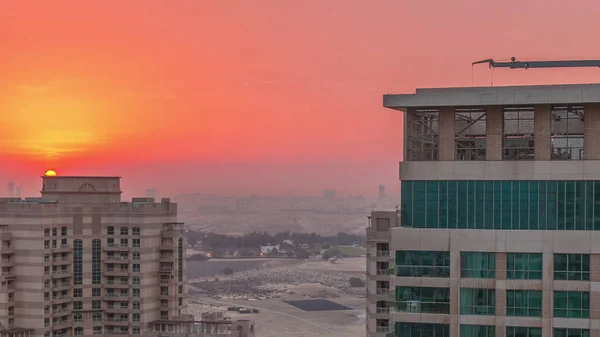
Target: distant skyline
<point>262,96</point>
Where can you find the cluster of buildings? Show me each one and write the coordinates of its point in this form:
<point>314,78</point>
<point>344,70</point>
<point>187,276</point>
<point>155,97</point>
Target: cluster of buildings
<point>78,261</point>
<point>497,232</point>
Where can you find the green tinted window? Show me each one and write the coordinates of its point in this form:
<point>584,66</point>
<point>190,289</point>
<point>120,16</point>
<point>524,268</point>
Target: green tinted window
<point>423,299</point>
<point>495,204</point>
<point>574,267</point>
<point>404,329</point>
<point>572,304</point>
<point>422,263</point>
<point>477,265</point>
<point>477,301</point>
<point>520,331</point>
<point>558,332</point>
<point>477,331</point>
<point>524,266</point>
<point>524,303</point>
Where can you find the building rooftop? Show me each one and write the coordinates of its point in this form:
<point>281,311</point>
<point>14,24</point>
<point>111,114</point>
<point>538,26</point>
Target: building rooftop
<point>508,95</point>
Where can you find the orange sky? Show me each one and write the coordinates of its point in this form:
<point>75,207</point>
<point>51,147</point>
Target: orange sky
<point>265,96</point>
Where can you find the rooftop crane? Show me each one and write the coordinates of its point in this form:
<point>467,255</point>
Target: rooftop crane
<point>514,64</point>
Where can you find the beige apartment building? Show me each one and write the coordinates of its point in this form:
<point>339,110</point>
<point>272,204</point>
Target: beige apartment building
<point>79,262</point>
<point>497,232</point>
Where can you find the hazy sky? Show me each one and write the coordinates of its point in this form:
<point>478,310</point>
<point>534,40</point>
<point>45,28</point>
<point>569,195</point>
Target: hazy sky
<point>263,96</point>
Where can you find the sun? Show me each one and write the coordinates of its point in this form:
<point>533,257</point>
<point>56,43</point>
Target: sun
<point>50,173</point>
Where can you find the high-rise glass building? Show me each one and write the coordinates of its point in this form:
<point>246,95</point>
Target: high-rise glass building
<point>498,228</point>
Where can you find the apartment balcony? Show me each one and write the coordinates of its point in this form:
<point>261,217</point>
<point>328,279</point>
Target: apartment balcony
<point>7,262</point>
<point>61,273</point>
<point>168,233</point>
<point>5,234</point>
<point>116,310</point>
<point>383,272</point>
<point>383,253</point>
<point>61,249</point>
<point>116,333</point>
<point>382,291</point>
<point>166,270</point>
<point>60,286</point>
<point>165,280</point>
<point>116,259</point>
<point>7,275</point>
<point>61,299</point>
<point>384,311</point>
<point>61,312</point>
<point>116,247</point>
<point>116,284</point>
<point>7,287</point>
<point>167,246</point>
<point>116,297</point>
<point>116,322</point>
<point>167,259</point>
<point>6,250</point>
<point>62,261</point>
<point>116,273</point>
<point>382,329</point>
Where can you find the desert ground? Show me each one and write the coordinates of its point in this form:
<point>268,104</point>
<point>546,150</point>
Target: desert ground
<point>275,282</point>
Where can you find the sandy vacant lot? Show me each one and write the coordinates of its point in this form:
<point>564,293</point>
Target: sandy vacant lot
<point>310,279</point>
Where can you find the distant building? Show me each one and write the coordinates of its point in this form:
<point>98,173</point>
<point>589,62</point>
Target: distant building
<point>150,193</point>
<point>11,189</point>
<point>381,191</point>
<point>329,194</point>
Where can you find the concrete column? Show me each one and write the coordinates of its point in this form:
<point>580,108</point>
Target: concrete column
<point>591,132</point>
<point>547,292</point>
<point>446,145</point>
<point>542,131</point>
<point>493,125</point>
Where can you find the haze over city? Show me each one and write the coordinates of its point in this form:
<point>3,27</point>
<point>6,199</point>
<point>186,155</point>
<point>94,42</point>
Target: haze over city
<point>267,97</point>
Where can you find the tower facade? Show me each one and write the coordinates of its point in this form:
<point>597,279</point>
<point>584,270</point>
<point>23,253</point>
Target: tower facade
<point>79,261</point>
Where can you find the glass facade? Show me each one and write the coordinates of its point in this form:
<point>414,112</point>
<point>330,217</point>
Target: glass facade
<point>422,263</point>
<point>477,301</point>
<point>477,331</point>
<point>404,329</point>
<point>96,261</point>
<point>524,303</point>
<point>477,265</point>
<point>506,204</point>
<point>573,267</point>
<point>423,299</point>
<point>521,331</point>
<point>524,266</point>
<point>558,332</point>
<point>77,262</point>
<point>572,304</point>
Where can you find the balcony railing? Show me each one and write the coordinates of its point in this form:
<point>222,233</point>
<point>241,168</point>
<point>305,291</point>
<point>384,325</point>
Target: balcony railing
<point>383,310</point>
<point>382,329</point>
<point>424,307</point>
<point>383,253</point>
<point>382,272</point>
<point>383,291</point>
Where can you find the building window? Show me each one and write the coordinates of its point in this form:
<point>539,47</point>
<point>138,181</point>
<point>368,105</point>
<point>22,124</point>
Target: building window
<point>77,305</point>
<point>501,205</point>
<point>136,280</point>
<point>524,266</point>
<point>572,304</point>
<point>423,299</point>
<point>136,243</point>
<point>77,292</point>
<point>477,301</point>
<point>97,330</point>
<point>46,232</point>
<point>78,317</point>
<point>96,304</point>
<point>524,303</point>
<point>136,305</point>
<point>422,134</point>
<point>54,231</point>
<point>136,255</point>
<point>97,316</point>
<point>78,331</point>
<point>469,133</point>
<point>517,143</point>
<point>567,132</point>
<point>422,263</point>
<point>180,257</point>
<point>136,231</point>
<point>96,261</point>
<point>77,262</point>
<point>63,231</point>
<point>136,268</point>
<point>405,329</point>
<point>136,316</point>
<point>47,296</point>
<point>521,331</point>
<point>110,230</point>
<point>180,289</point>
<point>477,330</point>
<point>477,265</point>
<point>572,267</point>
<point>124,231</point>
<point>136,292</point>
<point>136,330</point>
<point>96,292</point>
<point>560,332</point>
